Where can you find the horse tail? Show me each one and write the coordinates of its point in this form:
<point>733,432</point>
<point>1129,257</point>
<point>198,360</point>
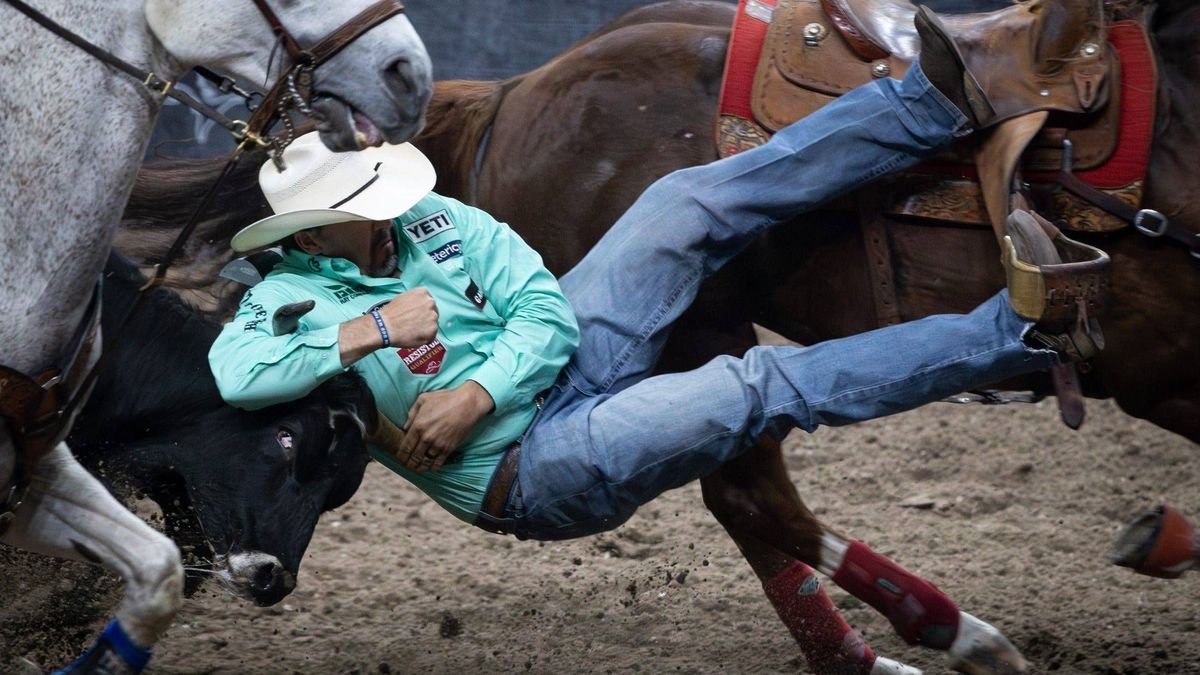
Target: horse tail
<point>166,193</point>
<point>459,119</point>
<point>164,196</point>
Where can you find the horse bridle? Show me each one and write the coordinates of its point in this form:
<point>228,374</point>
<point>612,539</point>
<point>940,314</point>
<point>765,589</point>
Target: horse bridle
<point>37,409</point>
<point>293,88</point>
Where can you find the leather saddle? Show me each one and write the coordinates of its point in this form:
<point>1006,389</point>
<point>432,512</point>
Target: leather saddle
<point>817,50</point>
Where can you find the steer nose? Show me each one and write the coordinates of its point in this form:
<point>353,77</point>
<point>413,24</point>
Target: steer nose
<point>271,583</point>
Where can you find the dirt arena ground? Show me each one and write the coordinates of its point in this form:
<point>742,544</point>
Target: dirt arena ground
<point>1019,521</point>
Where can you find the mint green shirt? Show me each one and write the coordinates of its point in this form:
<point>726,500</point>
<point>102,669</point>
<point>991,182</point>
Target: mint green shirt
<point>503,322</point>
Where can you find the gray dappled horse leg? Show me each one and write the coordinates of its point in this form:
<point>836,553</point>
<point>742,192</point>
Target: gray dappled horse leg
<point>69,514</point>
<point>753,497</point>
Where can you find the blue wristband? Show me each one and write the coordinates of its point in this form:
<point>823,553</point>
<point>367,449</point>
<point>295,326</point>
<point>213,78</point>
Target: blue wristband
<point>383,331</point>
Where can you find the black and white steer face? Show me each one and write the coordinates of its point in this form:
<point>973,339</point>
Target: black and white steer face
<point>241,492</point>
<point>260,481</point>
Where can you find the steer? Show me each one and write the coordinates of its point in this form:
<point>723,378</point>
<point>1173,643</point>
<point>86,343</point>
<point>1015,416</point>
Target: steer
<point>241,491</point>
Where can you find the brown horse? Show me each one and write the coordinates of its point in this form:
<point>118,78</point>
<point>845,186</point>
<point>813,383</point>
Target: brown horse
<point>562,151</point>
<point>599,123</point>
<point>595,126</point>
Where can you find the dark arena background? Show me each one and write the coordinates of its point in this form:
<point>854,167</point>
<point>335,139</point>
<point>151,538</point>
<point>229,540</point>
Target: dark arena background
<point>1004,509</point>
<point>467,39</point>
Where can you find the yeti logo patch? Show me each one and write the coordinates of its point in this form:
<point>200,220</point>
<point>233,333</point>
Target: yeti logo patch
<point>429,227</point>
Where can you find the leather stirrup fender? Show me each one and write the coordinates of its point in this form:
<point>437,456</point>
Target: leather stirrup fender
<point>997,159</point>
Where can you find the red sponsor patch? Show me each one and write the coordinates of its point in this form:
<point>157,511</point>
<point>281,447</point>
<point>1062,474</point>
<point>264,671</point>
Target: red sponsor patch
<point>423,360</point>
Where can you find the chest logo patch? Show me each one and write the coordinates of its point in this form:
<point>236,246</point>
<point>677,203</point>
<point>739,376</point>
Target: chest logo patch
<point>423,360</point>
<point>429,227</point>
<point>345,294</point>
<point>444,253</point>
<point>476,296</point>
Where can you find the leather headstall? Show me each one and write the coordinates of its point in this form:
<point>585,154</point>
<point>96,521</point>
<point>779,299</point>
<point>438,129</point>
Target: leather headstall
<point>293,87</point>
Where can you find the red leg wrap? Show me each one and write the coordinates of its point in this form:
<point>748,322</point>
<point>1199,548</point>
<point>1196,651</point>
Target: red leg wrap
<point>920,613</point>
<point>830,645</point>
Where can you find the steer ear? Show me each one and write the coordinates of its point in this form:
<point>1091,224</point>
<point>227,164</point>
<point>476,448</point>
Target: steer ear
<point>287,318</point>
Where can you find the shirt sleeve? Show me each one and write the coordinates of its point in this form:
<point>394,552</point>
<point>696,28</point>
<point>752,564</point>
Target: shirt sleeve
<point>254,368</point>
<point>540,329</point>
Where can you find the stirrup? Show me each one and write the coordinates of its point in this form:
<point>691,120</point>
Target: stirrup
<point>1058,283</point>
<point>1159,543</point>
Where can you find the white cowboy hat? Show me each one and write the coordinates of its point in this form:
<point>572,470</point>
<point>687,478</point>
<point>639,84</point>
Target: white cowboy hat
<point>320,187</point>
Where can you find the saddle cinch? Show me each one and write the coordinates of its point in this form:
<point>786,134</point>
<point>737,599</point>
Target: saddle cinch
<point>791,57</point>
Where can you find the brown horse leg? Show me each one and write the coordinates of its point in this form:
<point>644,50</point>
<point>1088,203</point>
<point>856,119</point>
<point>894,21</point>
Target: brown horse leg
<point>829,644</point>
<point>753,496</point>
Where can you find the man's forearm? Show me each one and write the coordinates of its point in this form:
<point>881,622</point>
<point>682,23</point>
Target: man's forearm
<point>357,338</point>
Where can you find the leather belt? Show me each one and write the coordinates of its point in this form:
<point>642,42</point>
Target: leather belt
<point>496,498</point>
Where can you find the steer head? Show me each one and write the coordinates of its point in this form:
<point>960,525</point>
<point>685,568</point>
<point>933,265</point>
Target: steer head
<point>241,492</point>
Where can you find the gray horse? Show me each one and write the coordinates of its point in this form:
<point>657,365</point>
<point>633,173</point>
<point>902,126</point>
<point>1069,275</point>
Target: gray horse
<point>72,134</point>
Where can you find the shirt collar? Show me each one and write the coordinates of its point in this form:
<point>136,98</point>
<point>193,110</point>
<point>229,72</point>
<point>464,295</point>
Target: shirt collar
<point>338,269</point>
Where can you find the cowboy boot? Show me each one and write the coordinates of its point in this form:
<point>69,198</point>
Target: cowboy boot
<point>1056,282</point>
<point>1036,55</point>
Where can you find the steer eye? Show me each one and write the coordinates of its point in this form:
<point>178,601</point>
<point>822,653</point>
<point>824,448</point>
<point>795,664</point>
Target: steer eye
<point>285,440</point>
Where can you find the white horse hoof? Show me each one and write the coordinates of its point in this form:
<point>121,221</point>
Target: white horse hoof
<point>886,666</point>
<point>980,649</point>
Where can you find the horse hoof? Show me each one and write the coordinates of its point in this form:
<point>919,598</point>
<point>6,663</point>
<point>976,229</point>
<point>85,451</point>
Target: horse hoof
<point>886,666</point>
<point>980,649</point>
<point>1159,543</point>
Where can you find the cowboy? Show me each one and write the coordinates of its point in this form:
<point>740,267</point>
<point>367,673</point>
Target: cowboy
<point>526,405</point>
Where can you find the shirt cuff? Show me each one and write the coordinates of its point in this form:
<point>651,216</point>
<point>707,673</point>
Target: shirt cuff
<point>329,360</point>
<point>498,385</point>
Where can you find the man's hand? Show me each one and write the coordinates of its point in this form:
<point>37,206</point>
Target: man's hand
<point>411,318</point>
<point>438,422</point>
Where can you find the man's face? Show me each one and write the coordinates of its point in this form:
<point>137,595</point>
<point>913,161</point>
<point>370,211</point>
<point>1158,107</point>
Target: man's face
<point>368,244</point>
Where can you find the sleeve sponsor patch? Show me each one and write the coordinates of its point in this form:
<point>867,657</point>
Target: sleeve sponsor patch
<point>444,253</point>
<point>259,316</point>
<point>429,227</point>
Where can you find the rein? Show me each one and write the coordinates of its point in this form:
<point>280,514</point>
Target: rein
<point>38,409</point>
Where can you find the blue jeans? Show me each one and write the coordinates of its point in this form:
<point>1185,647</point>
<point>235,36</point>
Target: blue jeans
<point>610,437</point>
